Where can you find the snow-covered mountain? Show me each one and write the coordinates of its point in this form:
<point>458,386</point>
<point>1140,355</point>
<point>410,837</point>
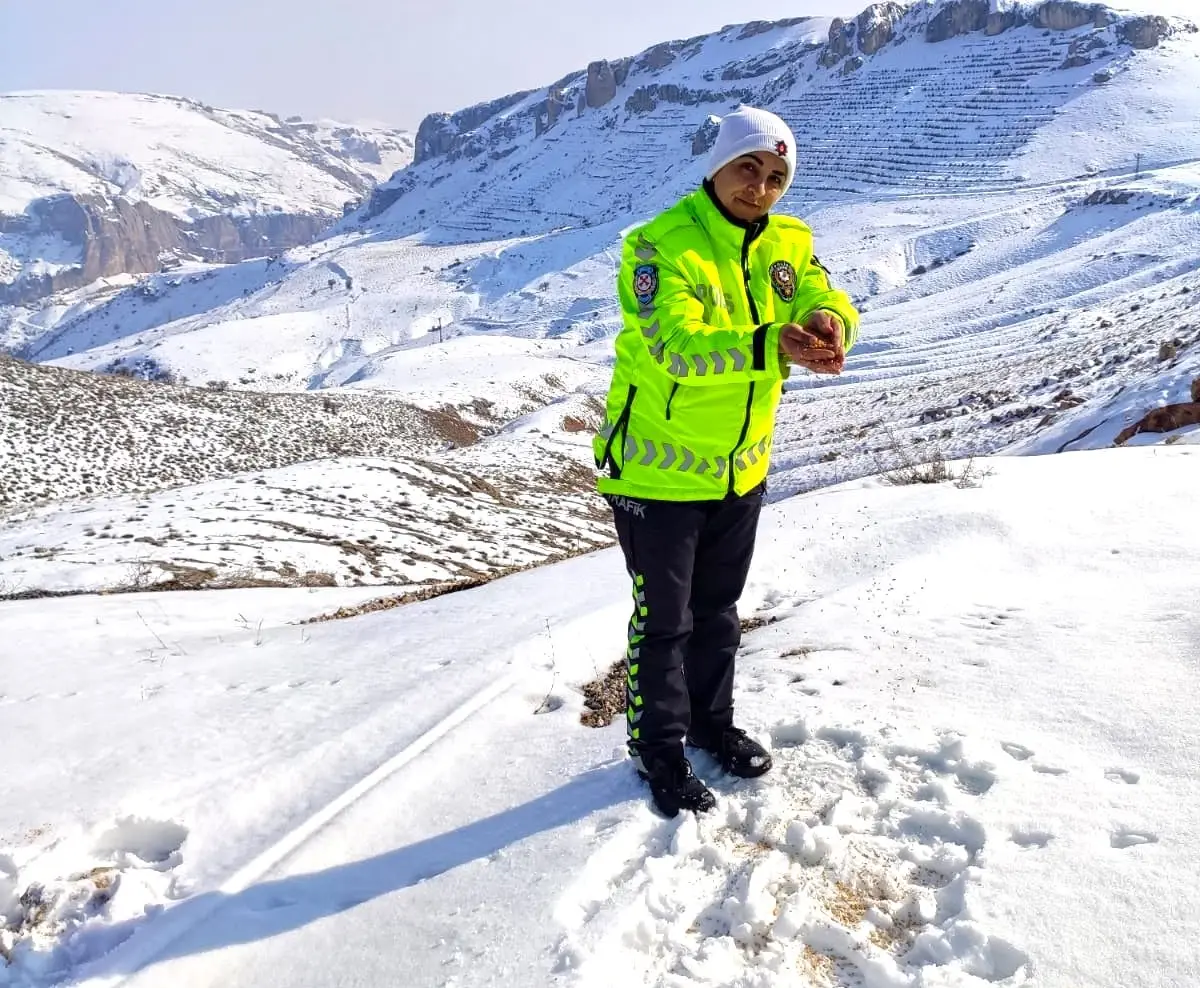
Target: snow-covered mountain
<point>926,97</point>
<point>1011,194</point>
<point>94,184</point>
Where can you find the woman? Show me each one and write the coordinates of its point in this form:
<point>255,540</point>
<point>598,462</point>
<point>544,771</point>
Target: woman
<point>719,298</point>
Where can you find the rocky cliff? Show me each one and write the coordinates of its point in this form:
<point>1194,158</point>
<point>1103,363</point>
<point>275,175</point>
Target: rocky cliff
<point>117,236</point>
<point>99,184</point>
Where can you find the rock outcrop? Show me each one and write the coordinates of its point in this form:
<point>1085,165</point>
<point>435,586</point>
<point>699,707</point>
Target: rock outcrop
<point>1004,20</point>
<point>1145,32</point>
<point>443,133</point>
<point>841,42</point>
<point>1165,419</point>
<point>646,98</point>
<point>557,103</point>
<point>120,236</point>
<point>876,26</point>
<point>1066,15</point>
<point>960,17</point>
<point>601,84</point>
<point>659,57</point>
<point>706,136</point>
<point>755,28</point>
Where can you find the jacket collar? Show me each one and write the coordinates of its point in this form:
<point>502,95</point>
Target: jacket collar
<point>727,232</point>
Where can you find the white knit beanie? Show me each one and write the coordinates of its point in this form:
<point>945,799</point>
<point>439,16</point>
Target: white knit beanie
<point>747,130</point>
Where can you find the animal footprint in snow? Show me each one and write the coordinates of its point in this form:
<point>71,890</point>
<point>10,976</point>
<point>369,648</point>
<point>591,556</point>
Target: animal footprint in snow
<point>1043,769</point>
<point>1123,837</point>
<point>988,619</point>
<point>1017,751</point>
<point>138,841</point>
<point>1030,837</point>
<point>1122,775</point>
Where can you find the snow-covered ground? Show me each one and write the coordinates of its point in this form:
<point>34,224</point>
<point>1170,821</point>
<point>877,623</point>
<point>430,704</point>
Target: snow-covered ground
<point>344,522</point>
<point>979,700</point>
<point>979,696</point>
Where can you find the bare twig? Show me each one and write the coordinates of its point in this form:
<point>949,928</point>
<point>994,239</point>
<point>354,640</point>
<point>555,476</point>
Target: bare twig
<point>175,649</point>
<point>546,706</point>
<point>151,630</point>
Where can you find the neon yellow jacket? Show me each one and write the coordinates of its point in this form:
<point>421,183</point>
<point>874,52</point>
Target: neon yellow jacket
<point>698,374</point>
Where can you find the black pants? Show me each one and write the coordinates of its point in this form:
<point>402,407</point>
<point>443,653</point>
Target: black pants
<point>689,562</point>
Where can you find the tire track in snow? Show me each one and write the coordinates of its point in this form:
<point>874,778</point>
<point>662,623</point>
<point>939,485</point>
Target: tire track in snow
<point>148,943</point>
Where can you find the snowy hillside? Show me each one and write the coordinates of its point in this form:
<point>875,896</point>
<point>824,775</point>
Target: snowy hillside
<point>928,97</point>
<point>1013,200</point>
<point>968,790</point>
<point>158,177</point>
<point>239,489</point>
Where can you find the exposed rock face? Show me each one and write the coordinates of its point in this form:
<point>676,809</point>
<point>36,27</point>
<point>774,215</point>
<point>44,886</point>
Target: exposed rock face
<point>115,236</point>
<point>706,136</point>
<point>1078,52</point>
<point>961,17</point>
<point>658,57</point>
<point>877,26</point>
<point>841,42</point>
<point>442,133</point>
<point>1004,20</point>
<point>1091,42</point>
<point>1166,419</point>
<point>1145,32</point>
<point>601,84</point>
<point>435,137</point>
<point>646,98</point>
<point>755,28</point>
<point>1066,15</point>
<point>853,64</point>
<point>557,103</point>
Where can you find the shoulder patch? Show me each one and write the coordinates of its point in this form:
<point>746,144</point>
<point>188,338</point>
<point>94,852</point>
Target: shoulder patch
<point>645,283</point>
<point>783,278</point>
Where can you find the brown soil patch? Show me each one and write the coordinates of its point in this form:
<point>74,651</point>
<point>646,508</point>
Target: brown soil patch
<point>605,697</point>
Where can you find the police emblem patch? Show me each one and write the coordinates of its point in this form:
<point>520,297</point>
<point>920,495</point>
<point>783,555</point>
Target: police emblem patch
<point>783,277</point>
<point>645,283</point>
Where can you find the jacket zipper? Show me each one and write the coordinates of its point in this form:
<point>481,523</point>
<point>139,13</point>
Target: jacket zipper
<point>746,242</point>
<point>742,437</point>
<point>620,427</point>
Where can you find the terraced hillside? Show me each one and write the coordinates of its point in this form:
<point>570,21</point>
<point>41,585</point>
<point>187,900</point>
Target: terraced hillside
<point>914,97</point>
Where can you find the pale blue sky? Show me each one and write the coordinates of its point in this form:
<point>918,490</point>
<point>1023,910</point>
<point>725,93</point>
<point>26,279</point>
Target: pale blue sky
<point>387,60</point>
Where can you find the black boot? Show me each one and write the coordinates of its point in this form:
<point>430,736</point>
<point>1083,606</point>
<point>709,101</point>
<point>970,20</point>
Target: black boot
<point>675,788</point>
<point>738,753</point>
